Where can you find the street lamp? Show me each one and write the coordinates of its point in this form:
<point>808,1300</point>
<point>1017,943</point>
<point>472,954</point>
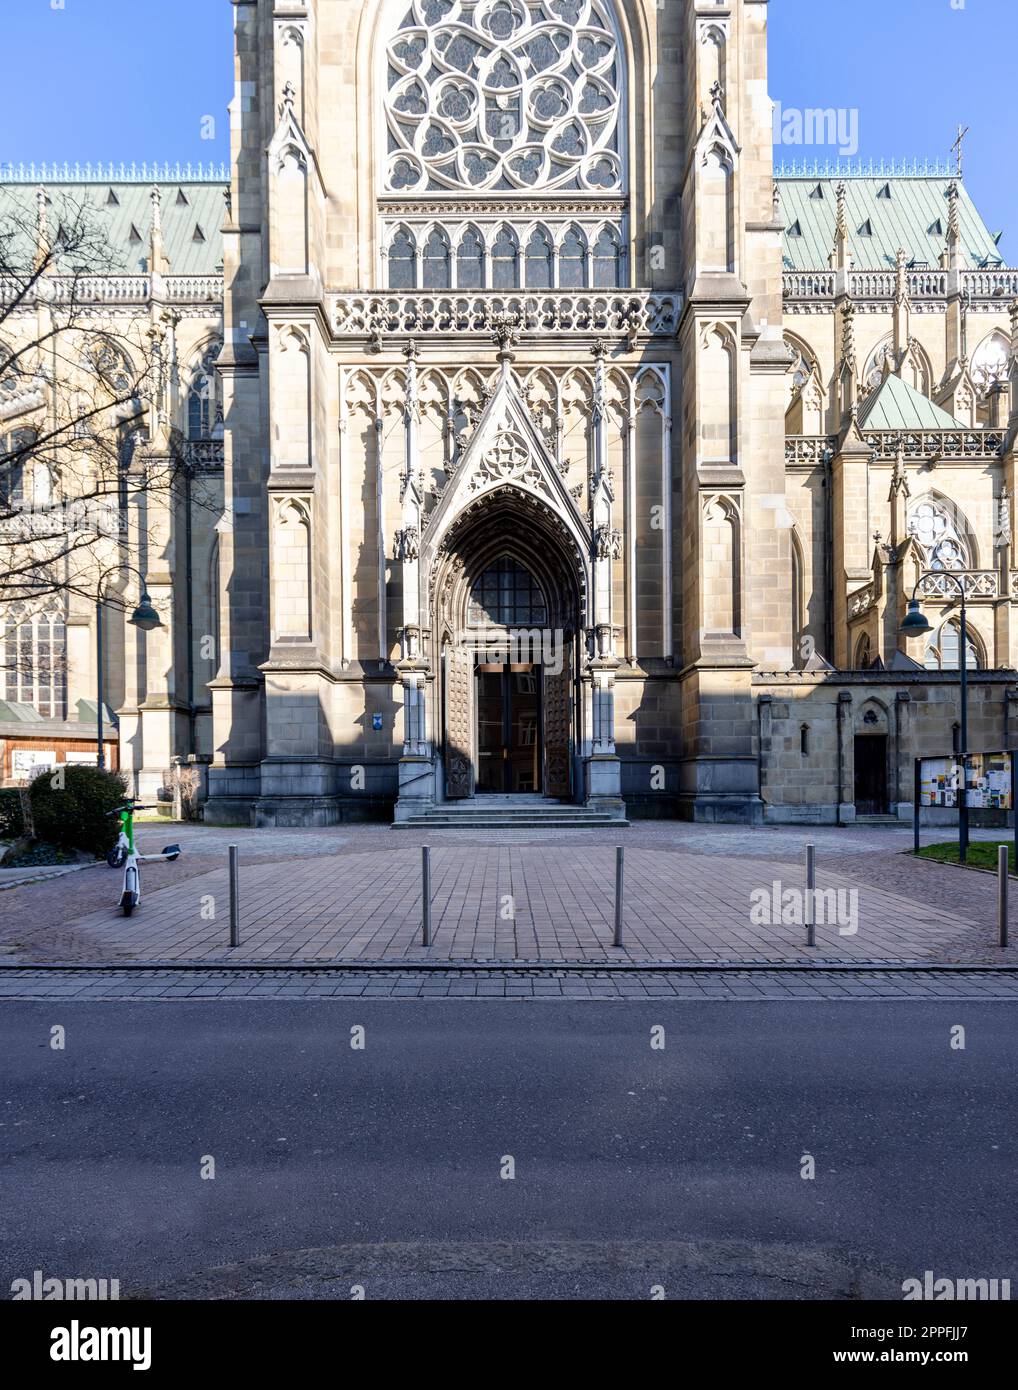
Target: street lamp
<point>144,617</point>
<point>916,624</point>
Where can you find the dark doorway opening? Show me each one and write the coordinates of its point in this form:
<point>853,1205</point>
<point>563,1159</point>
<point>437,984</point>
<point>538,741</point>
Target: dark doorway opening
<point>508,728</point>
<point>871,775</point>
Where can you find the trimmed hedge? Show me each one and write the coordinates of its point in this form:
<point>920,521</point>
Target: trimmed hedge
<point>12,822</point>
<point>70,807</point>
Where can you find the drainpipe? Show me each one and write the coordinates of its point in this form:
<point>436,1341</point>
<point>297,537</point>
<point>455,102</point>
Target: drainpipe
<point>844,698</point>
<point>192,747</point>
<point>761,702</point>
<point>828,560</point>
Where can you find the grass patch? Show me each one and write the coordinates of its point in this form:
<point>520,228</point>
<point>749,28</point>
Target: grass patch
<point>982,854</point>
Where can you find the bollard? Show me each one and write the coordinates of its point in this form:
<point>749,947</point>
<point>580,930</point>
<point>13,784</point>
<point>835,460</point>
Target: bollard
<point>1002,893</point>
<point>811,884</point>
<point>426,896</point>
<point>1013,761</point>
<point>917,798</point>
<point>234,898</point>
<point>620,880</point>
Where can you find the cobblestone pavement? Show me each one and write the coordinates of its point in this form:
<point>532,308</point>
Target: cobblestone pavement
<point>535,982</point>
<point>353,892</point>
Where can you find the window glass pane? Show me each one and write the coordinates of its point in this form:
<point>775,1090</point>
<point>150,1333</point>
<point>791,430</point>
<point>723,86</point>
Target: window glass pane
<point>402,263</point>
<point>436,263</point>
<point>571,270</point>
<point>504,263</point>
<point>508,596</point>
<point>539,262</point>
<point>470,262</point>
<point>606,263</point>
<point>942,653</point>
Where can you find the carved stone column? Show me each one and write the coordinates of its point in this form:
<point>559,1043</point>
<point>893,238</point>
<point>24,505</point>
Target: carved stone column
<point>603,768</point>
<point>417,788</point>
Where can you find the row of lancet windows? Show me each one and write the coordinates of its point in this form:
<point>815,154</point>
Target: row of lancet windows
<point>538,266</point>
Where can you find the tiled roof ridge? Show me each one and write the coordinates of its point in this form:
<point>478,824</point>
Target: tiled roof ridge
<point>122,171</point>
<point>866,169</point>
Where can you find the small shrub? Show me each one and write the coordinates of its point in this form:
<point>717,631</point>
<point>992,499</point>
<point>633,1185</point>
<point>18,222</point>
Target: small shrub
<point>71,805</point>
<point>12,822</point>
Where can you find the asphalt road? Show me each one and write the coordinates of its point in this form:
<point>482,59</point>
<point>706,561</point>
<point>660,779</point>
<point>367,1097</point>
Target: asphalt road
<point>634,1167</point>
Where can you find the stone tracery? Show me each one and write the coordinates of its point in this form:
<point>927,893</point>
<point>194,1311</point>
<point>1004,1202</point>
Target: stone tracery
<point>499,95</point>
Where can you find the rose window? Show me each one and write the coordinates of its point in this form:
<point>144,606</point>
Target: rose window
<point>505,96</point>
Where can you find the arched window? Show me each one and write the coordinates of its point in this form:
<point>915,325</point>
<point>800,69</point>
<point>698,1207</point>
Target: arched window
<point>607,261</point>
<point>539,261</point>
<point>200,408</point>
<point>989,361</point>
<point>111,366</point>
<point>507,595</point>
<point>863,653</point>
<point>11,382</point>
<point>505,100</point>
<point>402,261</point>
<point>12,469</point>
<point>204,409</point>
<point>436,262</point>
<point>572,270</point>
<point>505,272</point>
<point>35,661</point>
<point>470,261</point>
<point>914,370</point>
<point>942,652</point>
<point>942,533</point>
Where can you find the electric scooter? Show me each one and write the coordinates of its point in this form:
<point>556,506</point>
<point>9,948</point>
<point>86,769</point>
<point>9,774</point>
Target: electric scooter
<point>125,855</point>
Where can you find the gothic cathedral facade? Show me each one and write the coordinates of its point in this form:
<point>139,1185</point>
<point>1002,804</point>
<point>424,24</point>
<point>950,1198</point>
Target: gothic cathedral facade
<point>572,451</point>
<point>513,269</point>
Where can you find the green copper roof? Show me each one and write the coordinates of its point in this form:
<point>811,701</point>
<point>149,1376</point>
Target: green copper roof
<point>895,405</point>
<point>191,215</point>
<point>884,213</point>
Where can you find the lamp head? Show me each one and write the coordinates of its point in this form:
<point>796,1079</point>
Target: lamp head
<point>915,623</point>
<point>145,616</point>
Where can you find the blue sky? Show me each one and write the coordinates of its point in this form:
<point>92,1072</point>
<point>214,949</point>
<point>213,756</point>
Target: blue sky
<point>914,70</point>
<point>136,80</point>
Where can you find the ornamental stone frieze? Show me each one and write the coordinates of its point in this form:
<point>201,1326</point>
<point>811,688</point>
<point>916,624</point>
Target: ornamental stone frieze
<point>622,314</point>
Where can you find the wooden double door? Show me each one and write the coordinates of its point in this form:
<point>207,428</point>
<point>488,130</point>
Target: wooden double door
<point>510,743</point>
<point>508,729</point>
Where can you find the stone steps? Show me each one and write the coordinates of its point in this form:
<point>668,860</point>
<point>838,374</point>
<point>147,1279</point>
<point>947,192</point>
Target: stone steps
<point>508,813</point>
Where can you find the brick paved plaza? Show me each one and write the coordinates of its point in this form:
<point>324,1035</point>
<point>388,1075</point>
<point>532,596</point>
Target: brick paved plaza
<point>354,894</point>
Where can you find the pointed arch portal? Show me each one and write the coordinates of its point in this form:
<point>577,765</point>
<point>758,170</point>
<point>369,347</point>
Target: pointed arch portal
<point>507,620</point>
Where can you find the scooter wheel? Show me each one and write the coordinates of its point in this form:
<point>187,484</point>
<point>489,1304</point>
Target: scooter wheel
<point>115,858</point>
<point>127,903</point>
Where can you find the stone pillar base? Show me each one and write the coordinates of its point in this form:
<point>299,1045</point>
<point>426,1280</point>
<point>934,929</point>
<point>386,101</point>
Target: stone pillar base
<point>233,790</point>
<point>416,787</point>
<point>603,779</point>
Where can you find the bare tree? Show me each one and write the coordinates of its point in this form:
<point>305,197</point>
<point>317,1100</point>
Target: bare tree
<point>80,387</point>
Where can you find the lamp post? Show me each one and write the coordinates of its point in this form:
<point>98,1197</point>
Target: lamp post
<point>144,617</point>
<point>915,624</point>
